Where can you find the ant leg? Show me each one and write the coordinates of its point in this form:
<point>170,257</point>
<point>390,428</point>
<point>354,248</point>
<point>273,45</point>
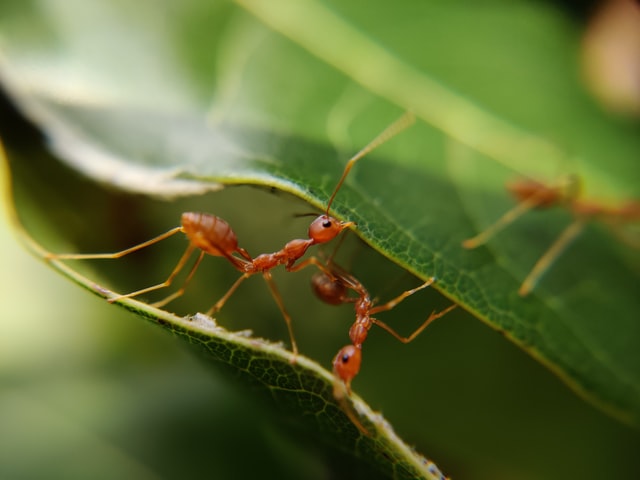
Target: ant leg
<point>179,266</point>
<point>220,303</point>
<point>407,119</point>
<point>329,261</point>
<point>287,318</point>
<point>392,303</point>
<point>312,261</point>
<point>428,321</point>
<point>341,390</point>
<point>396,127</point>
<point>510,216</point>
<point>135,248</point>
<point>182,289</point>
<point>543,264</point>
<point>626,237</point>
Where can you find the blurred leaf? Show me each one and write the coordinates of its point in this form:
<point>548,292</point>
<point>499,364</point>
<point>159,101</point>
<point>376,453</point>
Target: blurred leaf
<point>218,95</point>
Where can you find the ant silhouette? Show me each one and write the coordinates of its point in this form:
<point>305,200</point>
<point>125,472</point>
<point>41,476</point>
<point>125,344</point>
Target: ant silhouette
<point>214,236</point>
<point>332,285</point>
<point>531,194</point>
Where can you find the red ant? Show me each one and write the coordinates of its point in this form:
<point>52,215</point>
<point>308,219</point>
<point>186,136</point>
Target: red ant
<point>214,236</point>
<point>532,194</point>
<point>332,286</point>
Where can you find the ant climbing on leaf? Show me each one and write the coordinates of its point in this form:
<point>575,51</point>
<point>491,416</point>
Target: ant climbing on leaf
<point>333,285</point>
<point>212,235</point>
<point>531,194</point>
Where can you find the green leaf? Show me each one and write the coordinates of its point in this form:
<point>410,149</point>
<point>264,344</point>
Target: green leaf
<point>293,383</point>
<point>257,94</point>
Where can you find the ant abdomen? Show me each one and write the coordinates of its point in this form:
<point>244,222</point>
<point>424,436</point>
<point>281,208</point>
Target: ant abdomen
<point>329,290</point>
<point>210,233</point>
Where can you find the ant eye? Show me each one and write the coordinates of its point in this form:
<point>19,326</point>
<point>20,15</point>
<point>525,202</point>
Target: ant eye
<point>345,358</point>
<point>327,224</point>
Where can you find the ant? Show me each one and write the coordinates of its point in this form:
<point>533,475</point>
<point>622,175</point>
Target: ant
<point>214,236</point>
<point>332,286</point>
<point>531,194</point>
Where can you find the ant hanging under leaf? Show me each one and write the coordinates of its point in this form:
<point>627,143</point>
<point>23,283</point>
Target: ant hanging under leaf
<point>332,285</point>
<point>531,194</point>
<point>214,236</point>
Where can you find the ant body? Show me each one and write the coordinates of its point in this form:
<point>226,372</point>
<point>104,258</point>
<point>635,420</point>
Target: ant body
<point>332,285</point>
<point>214,236</point>
<point>531,194</point>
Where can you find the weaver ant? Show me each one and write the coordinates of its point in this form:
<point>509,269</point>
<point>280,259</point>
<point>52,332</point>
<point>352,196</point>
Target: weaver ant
<point>214,236</point>
<point>531,194</point>
<point>332,285</point>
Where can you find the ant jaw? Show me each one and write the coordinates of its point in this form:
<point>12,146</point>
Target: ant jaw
<point>344,225</point>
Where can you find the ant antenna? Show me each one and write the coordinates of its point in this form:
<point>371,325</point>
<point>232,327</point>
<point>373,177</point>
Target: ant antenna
<point>391,131</point>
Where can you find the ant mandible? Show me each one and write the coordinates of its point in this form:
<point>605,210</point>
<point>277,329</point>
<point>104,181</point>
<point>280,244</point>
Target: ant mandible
<point>332,285</point>
<point>214,236</point>
<point>531,194</point>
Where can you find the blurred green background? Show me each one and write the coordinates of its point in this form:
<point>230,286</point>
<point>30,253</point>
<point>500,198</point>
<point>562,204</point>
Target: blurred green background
<point>88,390</point>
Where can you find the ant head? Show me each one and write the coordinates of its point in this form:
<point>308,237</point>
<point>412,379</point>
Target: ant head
<point>346,364</point>
<point>325,228</point>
